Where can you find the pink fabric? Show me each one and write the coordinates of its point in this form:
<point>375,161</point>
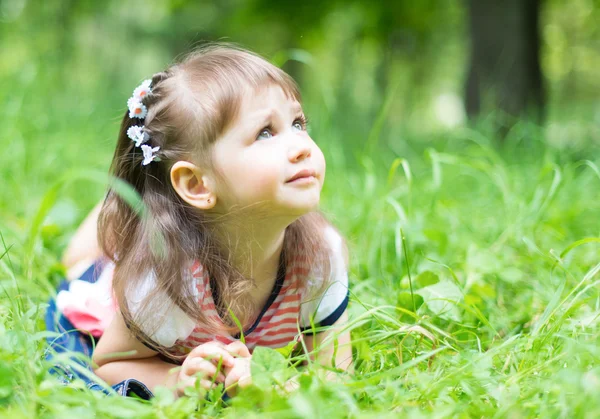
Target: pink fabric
<point>89,306</point>
<point>93,317</point>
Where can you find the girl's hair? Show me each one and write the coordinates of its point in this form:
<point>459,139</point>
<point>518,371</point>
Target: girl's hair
<point>190,105</point>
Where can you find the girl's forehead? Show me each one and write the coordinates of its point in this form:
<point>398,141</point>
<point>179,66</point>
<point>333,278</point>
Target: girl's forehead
<point>260,103</point>
<point>259,106</point>
<point>266,105</point>
<point>268,95</point>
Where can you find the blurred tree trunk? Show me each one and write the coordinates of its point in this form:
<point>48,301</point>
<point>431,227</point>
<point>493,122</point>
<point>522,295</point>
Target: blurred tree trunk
<point>505,74</point>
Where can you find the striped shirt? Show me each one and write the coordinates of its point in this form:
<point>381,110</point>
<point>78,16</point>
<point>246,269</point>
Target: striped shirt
<point>287,313</point>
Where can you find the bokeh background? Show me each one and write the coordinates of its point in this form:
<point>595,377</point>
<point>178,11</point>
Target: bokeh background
<point>414,69</point>
<point>68,66</point>
<point>462,142</point>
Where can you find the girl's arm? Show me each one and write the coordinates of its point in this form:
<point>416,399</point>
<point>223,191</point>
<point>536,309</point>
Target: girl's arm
<point>153,372</point>
<point>120,356</point>
<point>327,355</point>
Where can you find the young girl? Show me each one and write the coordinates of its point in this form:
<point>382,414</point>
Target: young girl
<point>226,250</point>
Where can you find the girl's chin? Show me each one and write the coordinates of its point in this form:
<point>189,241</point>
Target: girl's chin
<point>296,211</point>
<point>305,209</point>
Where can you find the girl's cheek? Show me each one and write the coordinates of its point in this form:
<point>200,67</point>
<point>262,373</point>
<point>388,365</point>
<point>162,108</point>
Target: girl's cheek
<point>323,162</point>
<point>257,185</point>
<point>265,177</point>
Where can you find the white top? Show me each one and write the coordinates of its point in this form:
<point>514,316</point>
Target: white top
<point>175,325</point>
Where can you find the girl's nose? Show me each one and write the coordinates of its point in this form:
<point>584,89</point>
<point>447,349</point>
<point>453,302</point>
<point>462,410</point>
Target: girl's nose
<point>299,152</point>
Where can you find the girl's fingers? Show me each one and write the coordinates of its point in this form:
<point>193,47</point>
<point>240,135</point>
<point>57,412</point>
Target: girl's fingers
<point>213,352</point>
<point>238,348</point>
<point>191,382</point>
<point>245,381</point>
<point>240,374</point>
<point>206,368</point>
<point>207,384</point>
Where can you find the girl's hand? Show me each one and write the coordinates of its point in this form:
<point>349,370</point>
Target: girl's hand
<point>239,375</point>
<point>205,359</point>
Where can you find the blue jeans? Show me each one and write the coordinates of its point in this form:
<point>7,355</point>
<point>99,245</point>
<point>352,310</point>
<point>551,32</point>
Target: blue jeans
<point>77,347</point>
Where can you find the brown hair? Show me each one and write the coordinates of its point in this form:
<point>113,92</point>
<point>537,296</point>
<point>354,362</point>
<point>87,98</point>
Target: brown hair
<point>191,104</point>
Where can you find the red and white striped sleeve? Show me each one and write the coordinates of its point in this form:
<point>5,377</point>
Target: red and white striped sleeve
<point>324,310</point>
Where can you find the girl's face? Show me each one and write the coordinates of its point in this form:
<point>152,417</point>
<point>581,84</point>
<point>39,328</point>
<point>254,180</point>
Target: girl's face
<point>267,159</point>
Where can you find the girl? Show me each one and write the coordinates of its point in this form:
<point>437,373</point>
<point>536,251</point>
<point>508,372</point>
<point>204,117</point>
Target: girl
<point>226,250</point>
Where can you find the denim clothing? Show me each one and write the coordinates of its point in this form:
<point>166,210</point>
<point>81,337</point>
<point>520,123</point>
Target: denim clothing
<point>74,344</point>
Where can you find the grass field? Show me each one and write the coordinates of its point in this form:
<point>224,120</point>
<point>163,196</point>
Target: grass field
<point>474,271</point>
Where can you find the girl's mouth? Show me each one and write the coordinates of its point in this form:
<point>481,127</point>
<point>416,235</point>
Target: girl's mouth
<point>304,176</point>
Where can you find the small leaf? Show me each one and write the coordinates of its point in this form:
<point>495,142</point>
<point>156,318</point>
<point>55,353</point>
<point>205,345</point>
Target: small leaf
<point>265,363</point>
<point>405,300</point>
<point>238,324</point>
<point>437,236</point>
<point>441,299</point>
<point>483,290</point>
<point>471,299</point>
<point>426,278</point>
<point>363,350</point>
<point>287,350</point>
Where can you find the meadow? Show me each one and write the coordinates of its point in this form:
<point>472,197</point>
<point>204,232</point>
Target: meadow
<point>474,265</point>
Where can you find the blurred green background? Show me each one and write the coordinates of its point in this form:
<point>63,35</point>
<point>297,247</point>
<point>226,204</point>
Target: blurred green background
<point>382,79</point>
<point>70,64</point>
<point>379,78</point>
<point>469,128</point>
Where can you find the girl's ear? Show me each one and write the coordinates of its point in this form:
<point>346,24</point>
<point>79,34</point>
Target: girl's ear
<point>193,185</point>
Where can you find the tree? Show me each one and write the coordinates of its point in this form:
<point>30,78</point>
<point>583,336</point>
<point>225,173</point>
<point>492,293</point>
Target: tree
<point>504,71</point>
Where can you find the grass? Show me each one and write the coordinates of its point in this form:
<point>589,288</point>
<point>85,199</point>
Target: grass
<point>474,273</point>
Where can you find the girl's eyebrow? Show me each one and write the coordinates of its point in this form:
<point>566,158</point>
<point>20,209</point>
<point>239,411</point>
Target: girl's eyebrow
<point>264,120</point>
<point>267,116</point>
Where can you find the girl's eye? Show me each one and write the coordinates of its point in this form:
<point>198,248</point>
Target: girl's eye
<point>300,124</point>
<point>264,134</point>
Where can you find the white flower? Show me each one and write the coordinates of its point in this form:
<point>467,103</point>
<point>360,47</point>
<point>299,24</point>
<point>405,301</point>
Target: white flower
<point>142,90</point>
<point>137,135</point>
<point>149,156</point>
<point>136,108</point>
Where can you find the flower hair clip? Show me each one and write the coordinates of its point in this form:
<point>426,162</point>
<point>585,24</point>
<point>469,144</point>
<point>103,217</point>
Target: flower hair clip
<point>136,108</point>
<point>136,133</point>
<point>142,90</point>
<point>149,155</point>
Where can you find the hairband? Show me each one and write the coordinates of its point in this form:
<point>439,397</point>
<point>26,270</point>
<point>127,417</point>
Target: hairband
<point>136,132</point>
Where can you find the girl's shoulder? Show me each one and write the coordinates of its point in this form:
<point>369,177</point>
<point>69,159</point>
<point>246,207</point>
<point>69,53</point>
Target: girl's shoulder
<point>337,257</point>
<point>163,320</point>
<point>324,307</point>
<point>336,244</point>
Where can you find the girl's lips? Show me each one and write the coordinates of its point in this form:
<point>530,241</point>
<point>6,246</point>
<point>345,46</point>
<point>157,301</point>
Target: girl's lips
<point>302,174</point>
<point>303,180</point>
